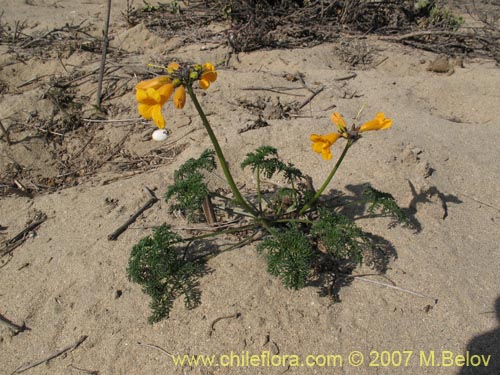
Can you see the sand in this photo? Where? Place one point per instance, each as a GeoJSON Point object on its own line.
{"type": "Point", "coordinates": [439, 160]}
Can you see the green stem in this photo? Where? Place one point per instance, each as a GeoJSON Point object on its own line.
{"type": "Point", "coordinates": [328, 179]}
{"type": "Point", "coordinates": [295, 199]}
{"type": "Point", "coordinates": [304, 221]}
{"type": "Point", "coordinates": [237, 195]}
{"type": "Point", "coordinates": [216, 233]}
{"type": "Point", "coordinates": [259, 195]}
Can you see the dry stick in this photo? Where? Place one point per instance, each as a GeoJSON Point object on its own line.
{"type": "Point", "coordinates": [352, 75]}
{"type": "Point", "coordinates": [279, 90]}
{"type": "Point", "coordinates": [417, 34]}
{"type": "Point", "coordinates": [381, 61]}
{"type": "Point", "coordinates": [155, 347]}
{"type": "Point", "coordinates": [17, 240]}
{"type": "Point", "coordinates": [6, 133]}
{"type": "Point", "coordinates": [105, 42]}
{"type": "Point", "coordinates": [14, 327]}
{"type": "Point", "coordinates": [478, 201]}
{"type": "Point", "coordinates": [114, 236]}
{"type": "Point", "coordinates": [110, 121]}
{"type": "Point", "coordinates": [91, 372]}
{"type": "Point", "coordinates": [308, 100]}
{"type": "Point", "coordinates": [212, 326]}
{"type": "Point", "coordinates": [208, 210]}
{"type": "Point", "coordinates": [393, 287]}
{"type": "Point", "coordinates": [52, 356]}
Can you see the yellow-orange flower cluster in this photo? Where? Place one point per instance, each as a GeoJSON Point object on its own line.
{"type": "Point", "coordinates": [323, 143]}
{"type": "Point", "coordinates": [152, 94]}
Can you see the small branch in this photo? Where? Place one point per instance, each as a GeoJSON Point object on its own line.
{"type": "Point", "coordinates": [16, 329]}
{"type": "Point", "coordinates": [208, 210]}
{"type": "Point", "coordinates": [417, 34]}
{"type": "Point", "coordinates": [155, 347]}
{"type": "Point", "coordinates": [393, 287]}
{"type": "Point", "coordinates": [6, 134]}
{"type": "Point", "coordinates": [17, 240]}
{"type": "Point", "coordinates": [212, 325]}
{"type": "Point", "coordinates": [345, 78]}
{"type": "Point", "coordinates": [105, 42]}
{"type": "Point", "coordinates": [279, 90]}
{"type": "Point", "coordinates": [52, 356]}
{"type": "Point", "coordinates": [111, 121]}
{"type": "Point", "coordinates": [91, 372]}
{"type": "Point", "coordinates": [308, 100]}
{"type": "Point", "coordinates": [114, 236]}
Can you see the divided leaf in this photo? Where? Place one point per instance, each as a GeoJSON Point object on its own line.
{"type": "Point", "coordinates": [158, 265]}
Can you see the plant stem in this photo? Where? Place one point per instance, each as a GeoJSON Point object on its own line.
{"type": "Point", "coordinates": [304, 221]}
{"type": "Point", "coordinates": [237, 195]}
{"type": "Point", "coordinates": [259, 195]}
{"type": "Point", "coordinates": [295, 199]}
{"type": "Point", "coordinates": [328, 179]}
{"type": "Point", "coordinates": [216, 233]}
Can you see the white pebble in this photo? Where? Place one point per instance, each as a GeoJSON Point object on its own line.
{"type": "Point", "coordinates": [160, 135]}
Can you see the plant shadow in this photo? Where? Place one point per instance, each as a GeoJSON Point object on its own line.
{"type": "Point", "coordinates": [482, 348]}
{"type": "Point", "coordinates": [378, 252]}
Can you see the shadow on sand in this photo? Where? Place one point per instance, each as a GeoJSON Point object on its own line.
{"type": "Point", "coordinates": [487, 344]}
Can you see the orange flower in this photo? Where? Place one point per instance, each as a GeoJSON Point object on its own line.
{"type": "Point", "coordinates": [323, 143]}
{"type": "Point", "coordinates": [208, 75]}
{"type": "Point", "coordinates": [172, 67]}
{"type": "Point", "coordinates": [340, 123]}
{"type": "Point", "coordinates": [180, 97]}
{"type": "Point", "coordinates": [150, 102]}
{"type": "Point", "coordinates": [153, 93]}
{"type": "Point", "coordinates": [378, 123]}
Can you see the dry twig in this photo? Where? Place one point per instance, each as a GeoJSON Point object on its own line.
{"type": "Point", "coordinates": [16, 329]}
{"type": "Point", "coordinates": [69, 348]}
{"type": "Point", "coordinates": [212, 325]}
{"type": "Point", "coordinates": [114, 236]}
{"type": "Point", "coordinates": [18, 239]}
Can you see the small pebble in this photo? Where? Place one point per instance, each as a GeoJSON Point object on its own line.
{"type": "Point", "coordinates": [160, 135]}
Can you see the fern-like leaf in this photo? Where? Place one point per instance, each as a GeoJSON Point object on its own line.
{"type": "Point", "coordinates": [189, 187]}
{"type": "Point", "coordinates": [340, 236]}
{"type": "Point", "coordinates": [158, 265]}
{"type": "Point", "coordinates": [385, 203]}
{"type": "Point", "coordinates": [289, 256]}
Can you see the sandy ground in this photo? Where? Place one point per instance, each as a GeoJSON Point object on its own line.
{"type": "Point", "coordinates": [439, 160]}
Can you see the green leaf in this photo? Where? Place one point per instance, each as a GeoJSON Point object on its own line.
{"type": "Point", "coordinates": [189, 187]}
{"type": "Point", "coordinates": [289, 256]}
{"type": "Point", "coordinates": [385, 203]}
{"type": "Point", "coordinates": [341, 237]}
{"type": "Point", "coordinates": [159, 266]}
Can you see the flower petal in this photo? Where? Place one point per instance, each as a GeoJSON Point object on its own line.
{"type": "Point", "coordinates": [141, 96]}
{"type": "Point", "coordinates": [158, 117]}
{"type": "Point", "coordinates": [338, 121]}
{"type": "Point", "coordinates": [154, 83]}
{"type": "Point", "coordinates": [209, 67]}
{"type": "Point", "coordinates": [318, 147]}
{"type": "Point", "coordinates": [165, 92]}
{"type": "Point", "coordinates": [326, 154]}
{"type": "Point", "coordinates": [378, 123]}
{"type": "Point", "coordinates": [331, 138]}
{"type": "Point", "coordinates": [323, 143]}
{"type": "Point", "coordinates": [154, 95]}
{"type": "Point", "coordinates": [145, 111]}
{"type": "Point", "coordinates": [204, 84]}
{"type": "Point", "coordinates": [209, 76]}
{"type": "Point", "coordinates": [315, 138]}
{"type": "Point", "coordinates": [172, 67]}
{"type": "Point", "coordinates": [180, 97]}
